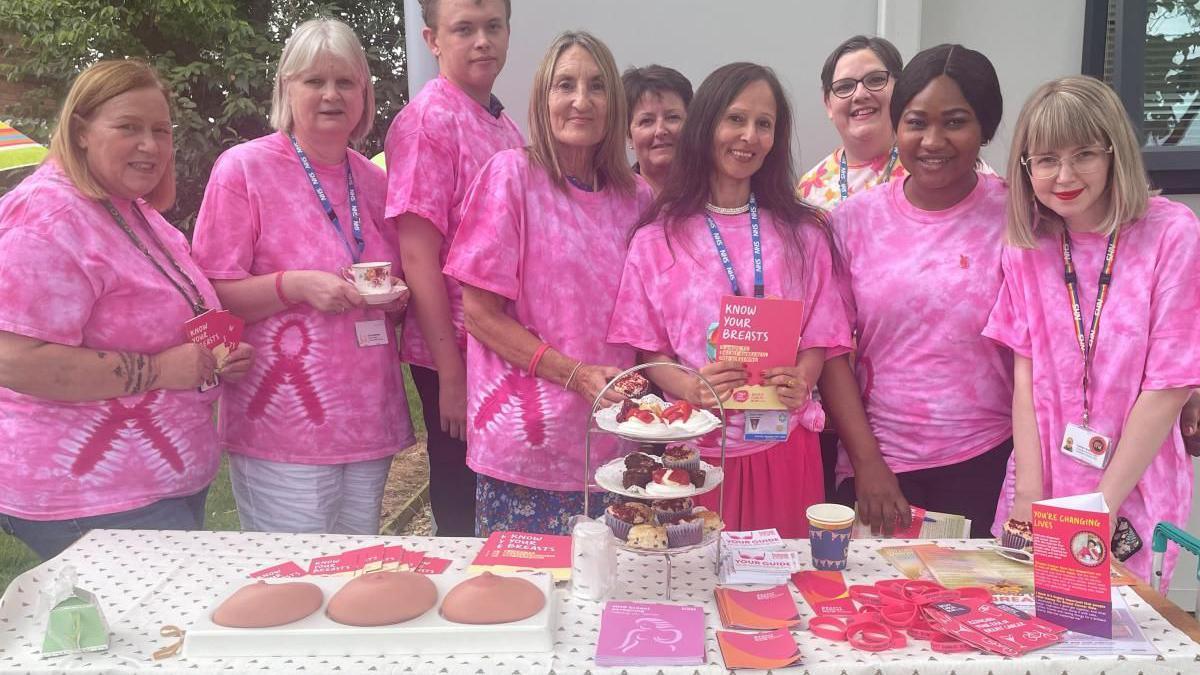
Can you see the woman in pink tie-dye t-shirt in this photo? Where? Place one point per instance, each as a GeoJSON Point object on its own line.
{"type": "Point", "coordinates": [539, 252]}
{"type": "Point", "coordinates": [102, 424]}
{"type": "Point", "coordinates": [312, 430]}
{"type": "Point", "coordinates": [738, 174]}
{"type": "Point", "coordinates": [1076, 160]}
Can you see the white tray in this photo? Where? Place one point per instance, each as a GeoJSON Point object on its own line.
{"type": "Point", "coordinates": [318, 635]}
{"type": "Point", "coordinates": [609, 477]}
{"type": "Point", "coordinates": [606, 419]}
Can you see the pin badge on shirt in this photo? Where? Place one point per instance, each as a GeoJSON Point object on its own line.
{"type": "Point", "coordinates": [1087, 446]}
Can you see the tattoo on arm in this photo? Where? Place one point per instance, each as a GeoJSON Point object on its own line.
{"type": "Point", "coordinates": [139, 372]}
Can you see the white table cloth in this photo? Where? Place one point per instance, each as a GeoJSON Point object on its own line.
{"type": "Point", "coordinates": [147, 579]}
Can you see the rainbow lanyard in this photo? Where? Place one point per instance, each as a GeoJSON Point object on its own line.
{"type": "Point", "coordinates": [1087, 346]}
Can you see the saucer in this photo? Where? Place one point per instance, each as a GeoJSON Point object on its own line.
{"type": "Point", "coordinates": [384, 298]}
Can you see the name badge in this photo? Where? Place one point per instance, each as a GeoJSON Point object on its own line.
{"type": "Point", "coordinates": [371, 333]}
{"type": "Point", "coordinates": [766, 425]}
{"type": "Point", "coordinates": [1087, 446]}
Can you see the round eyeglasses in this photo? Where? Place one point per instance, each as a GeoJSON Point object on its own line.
{"type": "Point", "coordinates": [1045, 167]}
{"type": "Point", "coordinates": [875, 80]}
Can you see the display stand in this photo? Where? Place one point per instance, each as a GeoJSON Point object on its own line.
{"type": "Point", "coordinates": [588, 477]}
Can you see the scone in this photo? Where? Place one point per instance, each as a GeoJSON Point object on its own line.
{"type": "Point", "coordinates": [649, 537]}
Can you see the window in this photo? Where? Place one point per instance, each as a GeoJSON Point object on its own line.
{"type": "Point", "coordinates": [1149, 51]}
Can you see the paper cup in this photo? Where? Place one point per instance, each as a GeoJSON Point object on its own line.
{"type": "Point", "coordinates": [829, 527]}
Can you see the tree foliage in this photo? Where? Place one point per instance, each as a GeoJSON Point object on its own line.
{"type": "Point", "coordinates": [1172, 70]}
{"type": "Point", "coordinates": [218, 56]}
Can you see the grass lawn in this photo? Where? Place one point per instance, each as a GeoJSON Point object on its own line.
{"type": "Point", "coordinates": [221, 511]}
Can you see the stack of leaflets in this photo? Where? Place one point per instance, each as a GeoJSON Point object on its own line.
{"type": "Point", "coordinates": [359, 561]}
{"type": "Point", "coordinates": [924, 525]}
{"type": "Point", "coordinates": [764, 609]}
{"type": "Point", "coordinates": [650, 634]}
{"type": "Point", "coordinates": [757, 558]}
{"type": "Point", "coordinates": [515, 551]}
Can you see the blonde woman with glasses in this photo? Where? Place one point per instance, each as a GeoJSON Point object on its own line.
{"type": "Point", "coordinates": [1100, 308]}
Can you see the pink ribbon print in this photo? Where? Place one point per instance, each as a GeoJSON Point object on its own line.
{"type": "Point", "coordinates": [522, 394]}
{"type": "Point", "coordinates": [287, 367]}
{"type": "Point", "coordinates": [137, 417]}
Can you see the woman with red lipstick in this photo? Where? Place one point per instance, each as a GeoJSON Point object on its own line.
{"type": "Point", "coordinates": [924, 416]}
{"type": "Point", "coordinates": [1112, 351]}
{"type": "Point", "coordinates": [857, 81]}
{"type": "Point", "coordinates": [732, 189]}
{"type": "Point", "coordinates": [657, 98]}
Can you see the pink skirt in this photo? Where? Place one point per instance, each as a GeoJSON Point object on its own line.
{"type": "Point", "coordinates": [772, 487]}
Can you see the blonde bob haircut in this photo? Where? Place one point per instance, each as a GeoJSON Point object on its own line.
{"type": "Point", "coordinates": [311, 40]}
{"type": "Point", "coordinates": [609, 158]}
{"type": "Point", "coordinates": [99, 83]}
{"type": "Point", "coordinates": [1066, 113]}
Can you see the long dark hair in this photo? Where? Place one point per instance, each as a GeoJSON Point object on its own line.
{"type": "Point", "coordinates": [687, 186]}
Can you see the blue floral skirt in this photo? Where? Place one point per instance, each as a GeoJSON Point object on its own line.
{"type": "Point", "coordinates": [500, 505]}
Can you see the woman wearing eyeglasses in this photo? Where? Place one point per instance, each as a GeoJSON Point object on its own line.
{"type": "Point", "coordinates": [857, 81]}
{"type": "Point", "coordinates": [1099, 306]}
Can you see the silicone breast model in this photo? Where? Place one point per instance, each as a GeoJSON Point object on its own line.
{"type": "Point", "coordinates": [382, 599]}
{"type": "Point", "coordinates": [263, 605]}
{"type": "Point", "coordinates": [489, 598]}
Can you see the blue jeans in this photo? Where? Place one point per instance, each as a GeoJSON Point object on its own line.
{"type": "Point", "coordinates": [48, 538]}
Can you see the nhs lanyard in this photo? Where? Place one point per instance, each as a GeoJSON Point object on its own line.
{"type": "Point", "coordinates": [843, 172]}
{"type": "Point", "coordinates": [355, 220]}
{"type": "Point", "coordinates": [756, 246]}
{"type": "Point", "coordinates": [1087, 343]}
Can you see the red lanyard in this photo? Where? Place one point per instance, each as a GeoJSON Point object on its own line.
{"type": "Point", "coordinates": [1087, 346]}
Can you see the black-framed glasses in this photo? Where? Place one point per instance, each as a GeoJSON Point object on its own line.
{"type": "Point", "coordinates": [1045, 167]}
{"type": "Point", "coordinates": [875, 80]}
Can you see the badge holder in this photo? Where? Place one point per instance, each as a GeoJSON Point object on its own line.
{"type": "Point", "coordinates": [589, 479]}
{"type": "Point", "coordinates": [1086, 446]}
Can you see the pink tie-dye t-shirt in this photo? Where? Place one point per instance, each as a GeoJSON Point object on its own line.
{"type": "Point", "coordinates": [72, 276]}
{"type": "Point", "coordinates": [918, 287]}
{"type": "Point", "coordinates": [671, 293]}
{"type": "Point", "coordinates": [1149, 338]}
{"type": "Point", "coordinates": [313, 396]}
{"type": "Point", "coordinates": [557, 257]}
{"type": "Point", "coordinates": [435, 147]}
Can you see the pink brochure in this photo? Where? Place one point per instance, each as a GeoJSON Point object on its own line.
{"type": "Point", "coordinates": [650, 634]}
{"type": "Point", "coordinates": [762, 333]}
{"type": "Point", "coordinates": [1072, 578]}
{"type": "Point", "coordinates": [285, 570]}
{"type": "Point", "coordinates": [825, 592]}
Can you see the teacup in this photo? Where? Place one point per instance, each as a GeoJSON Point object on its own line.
{"type": "Point", "coordinates": [370, 277]}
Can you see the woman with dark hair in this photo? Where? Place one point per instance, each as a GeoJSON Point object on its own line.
{"type": "Point", "coordinates": [928, 420]}
{"type": "Point", "coordinates": [657, 98]}
{"type": "Point", "coordinates": [732, 191]}
{"type": "Point", "coordinates": [856, 82]}
{"type": "Point", "coordinates": [542, 231]}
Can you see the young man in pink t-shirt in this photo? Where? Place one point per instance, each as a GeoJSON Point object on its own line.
{"type": "Point", "coordinates": [435, 148]}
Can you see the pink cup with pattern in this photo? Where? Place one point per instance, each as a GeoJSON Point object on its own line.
{"type": "Point", "coordinates": [829, 527]}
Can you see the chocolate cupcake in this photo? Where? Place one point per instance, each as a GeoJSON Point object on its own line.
{"type": "Point", "coordinates": [621, 517]}
{"type": "Point", "coordinates": [639, 476]}
{"type": "Point", "coordinates": [649, 537]}
{"type": "Point", "coordinates": [685, 531]}
{"type": "Point", "coordinates": [681, 457]}
{"type": "Point", "coordinates": [1017, 534]}
{"type": "Point", "coordinates": [668, 510]}
{"type": "Point", "coordinates": [638, 460]}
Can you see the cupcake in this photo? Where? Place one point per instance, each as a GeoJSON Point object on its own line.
{"type": "Point", "coordinates": [681, 457]}
{"type": "Point", "coordinates": [667, 510]}
{"type": "Point", "coordinates": [621, 517]}
{"type": "Point", "coordinates": [639, 476]}
{"type": "Point", "coordinates": [697, 477]}
{"type": "Point", "coordinates": [1017, 534]}
{"type": "Point", "coordinates": [685, 531]}
{"type": "Point", "coordinates": [639, 460]}
{"type": "Point", "coordinates": [633, 385]}
{"type": "Point", "coordinates": [650, 537]}
{"type": "Point", "coordinates": [710, 521]}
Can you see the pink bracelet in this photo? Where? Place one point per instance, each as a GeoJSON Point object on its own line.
{"type": "Point", "coordinates": [537, 357]}
{"type": "Point", "coordinates": [279, 290]}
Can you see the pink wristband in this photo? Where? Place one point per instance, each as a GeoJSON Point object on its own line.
{"type": "Point", "coordinates": [279, 290]}
{"type": "Point", "coordinates": [537, 358]}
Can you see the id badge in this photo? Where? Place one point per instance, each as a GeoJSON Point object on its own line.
{"type": "Point", "coordinates": [371, 333]}
{"type": "Point", "coordinates": [766, 425]}
{"type": "Point", "coordinates": [1087, 446]}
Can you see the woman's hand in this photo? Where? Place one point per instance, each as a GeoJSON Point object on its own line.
{"type": "Point", "coordinates": [791, 384]}
{"type": "Point", "coordinates": [881, 504]}
{"type": "Point", "coordinates": [237, 364]}
{"type": "Point", "coordinates": [724, 376]}
{"type": "Point", "coordinates": [182, 367]}
{"type": "Point", "coordinates": [1022, 509]}
{"type": "Point", "coordinates": [398, 305]}
{"type": "Point", "coordinates": [590, 379]}
{"type": "Point", "coordinates": [452, 404]}
{"type": "Point", "coordinates": [322, 291]}
{"type": "Point", "coordinates": [1189, 424]}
